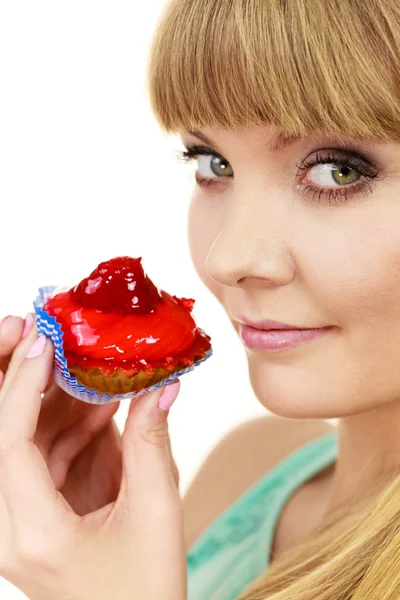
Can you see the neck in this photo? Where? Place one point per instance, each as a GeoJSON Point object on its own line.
{"type": "Point", "coordinates": [369, 455]}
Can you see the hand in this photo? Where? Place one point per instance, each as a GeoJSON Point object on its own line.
{"type": "Point", "coordinates": [80, 442]}
{"type": "Point", "coordinates": [131, 548]}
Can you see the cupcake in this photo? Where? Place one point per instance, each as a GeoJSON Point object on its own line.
{"type": "Point", "coordinates": [118, 334]}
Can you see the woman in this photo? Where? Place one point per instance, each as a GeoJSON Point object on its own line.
{"type": "Point", "coordinates": [292, 111]}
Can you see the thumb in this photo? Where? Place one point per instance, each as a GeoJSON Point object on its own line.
{"type": "Point", "coordinates": [145, 442]}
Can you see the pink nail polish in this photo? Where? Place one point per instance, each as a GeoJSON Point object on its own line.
{"type": "Point", "coordinates": [37, 347]}
{"type": "Point", "coordinates": [169, 396]}
{"type": "Point", "coordinates": [29, 321]}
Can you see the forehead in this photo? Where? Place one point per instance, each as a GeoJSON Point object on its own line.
{"type": "Point", "coordinates": [279, 140]}
{"type": "Point", "coordinates": [273, 139]}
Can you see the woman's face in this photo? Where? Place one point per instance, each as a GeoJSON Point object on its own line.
{"type": "Point", "coordinates": [276, 242]}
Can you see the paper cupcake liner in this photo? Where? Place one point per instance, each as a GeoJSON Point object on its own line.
{"type": "Point", "coordinates": [48, 326]}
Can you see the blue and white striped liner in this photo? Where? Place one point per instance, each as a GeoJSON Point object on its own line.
{"type": "Point", "coordinates": [48, 326]}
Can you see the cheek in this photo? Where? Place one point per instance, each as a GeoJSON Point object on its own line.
{"type": "Point", "coordinates": [360, 284]}
{"type": "Point", "coordinates": [203, 227]}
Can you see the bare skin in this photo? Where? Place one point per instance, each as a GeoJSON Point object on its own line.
{"type": "Point", "coordinates": [82, 448]}
{"type": "Point", "coordinates": [80, 442]}
{"type": "Point", "coordinates": [268, 252]}
{"type": "Point", "coordinates": [242, 457]}
{"type": "Point", "coordinates": [302, 513]}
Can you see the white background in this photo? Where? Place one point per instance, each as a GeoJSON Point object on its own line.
{"type": "Point", "coordinates": [86, 174]}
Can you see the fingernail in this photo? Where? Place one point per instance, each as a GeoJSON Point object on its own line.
{"type": "Point", "coordinates": [169, 396]}
{"type": "Point", "coordinates": [37, 347]}
{"type": "Point", "coordinates": [29, 320]}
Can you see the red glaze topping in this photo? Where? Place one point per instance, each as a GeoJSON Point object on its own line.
{"type": "Point", "coordinates": [118, 286]}
{"type": "Point", "coordinates": [117, 318]}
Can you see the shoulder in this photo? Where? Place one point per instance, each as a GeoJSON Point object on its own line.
{"type": "Point", "coordinates": [241, 457]}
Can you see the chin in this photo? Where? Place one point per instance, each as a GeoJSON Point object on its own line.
{"type": "Point", "coordinates": [299, 391]}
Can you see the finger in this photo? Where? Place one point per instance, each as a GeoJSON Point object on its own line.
{"type": "Point", "coordinates": [174, 468]}
{"type": "Point", "coordinates": [58, 412]}
{"type": "Point", "coordinates": [74, 440]}
{"type": "Point", "coordinates": [25, 483]}
{"type": "Point", "coordinates": [20, 351]}
{"type": "Point", "coordinates": [147, 471]}
{"type": "Point", "coordinates": [117, 434]}
{"type": "Point", "coordinates": [20, 400]}
{"type": "Point", "coordinates": [11, 329]}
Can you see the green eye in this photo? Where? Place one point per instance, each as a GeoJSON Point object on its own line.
{"type": "Point", "coordinates": [345, 175]}
{"type": "Point", "coordinates": [212, 169]}
{"type": "Point", "coordinates": [329, 174]}
{"type": "Point", "coordinates": [218, 166]}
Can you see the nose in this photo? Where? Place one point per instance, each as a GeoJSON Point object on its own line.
{"type": "Point", "coordinates": [251, 248]}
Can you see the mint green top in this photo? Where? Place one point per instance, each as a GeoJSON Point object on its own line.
{"type": "Point", "coordinates": [235, 548]}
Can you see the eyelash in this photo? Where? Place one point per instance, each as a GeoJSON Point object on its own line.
{"type": "Point", "coordinates": [339, 194]}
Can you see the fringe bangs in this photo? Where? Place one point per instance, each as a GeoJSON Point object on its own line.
{"type": "Point", "coordinates": [328, 65]}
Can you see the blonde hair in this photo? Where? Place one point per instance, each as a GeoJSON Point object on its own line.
{"type": "Point", "coordinates": [331, 66]}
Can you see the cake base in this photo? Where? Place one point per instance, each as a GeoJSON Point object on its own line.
{"type": "Point", "coordinates": [119, 382]}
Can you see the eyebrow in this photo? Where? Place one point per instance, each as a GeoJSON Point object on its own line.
{"type": "Point", "coordinates": [279, 141]}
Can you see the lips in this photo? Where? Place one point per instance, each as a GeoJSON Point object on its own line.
{"type": "Point", "coordinates": [273, 335]}
{"type": "Point", "coordinates": [271, 325]}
